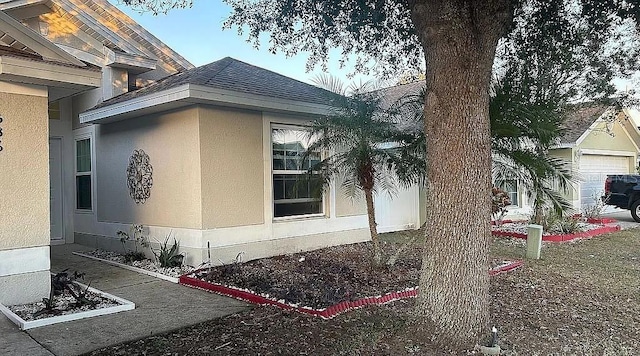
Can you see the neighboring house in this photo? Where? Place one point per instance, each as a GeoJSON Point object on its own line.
{"type": "Point", "coordinates": [598, 141]}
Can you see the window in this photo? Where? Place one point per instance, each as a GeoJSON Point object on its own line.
{"type": "Point", "coordinates": [295, 192]}
{"type": "Point", "coordinates": [511, 187]}
{"type": "Point", "coordinates": [83, 174]}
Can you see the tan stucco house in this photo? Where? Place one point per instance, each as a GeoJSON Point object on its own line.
{"type": "Point", "coordinates": [104, 126]}
{"type": "Point", "coordinates": [599, 140]}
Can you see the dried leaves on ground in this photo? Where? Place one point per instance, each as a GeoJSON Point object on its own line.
{"type": "Point", "coordinates": [582, 298]}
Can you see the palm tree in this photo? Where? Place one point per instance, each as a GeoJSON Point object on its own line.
{"type": "Point", "coordinates": [369, 149]}
{"type": "Point", "coordinates": [522, 132]}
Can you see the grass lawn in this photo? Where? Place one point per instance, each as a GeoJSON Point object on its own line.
{"type": "Point", "coordinates": [581, 298]}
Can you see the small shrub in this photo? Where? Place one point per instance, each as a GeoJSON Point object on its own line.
{"type": "Point", "coordinates": [499, 201]}
{"type": "Point", "coordinates": [135, 235]}
{"type": "Point", "coordinates": [168, 256]}
{"type": "Point", "coordinates": [555, 223]}
{"type": "Point", "coordinates": [595, 211]}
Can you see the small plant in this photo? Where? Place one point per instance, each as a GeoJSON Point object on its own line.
{"type": "Point", "coordinates": [499, 201]}
{"type": "Point", "coordinates": [135, 235]}
{"type": "Point", "coordinates": [595, 211]}
{"type": "Point", "coordinates": [168, 256]}
{"type": "Point", "coordinates": [556, 223]}
{"type": "Point", "coordinates": [59, 283]}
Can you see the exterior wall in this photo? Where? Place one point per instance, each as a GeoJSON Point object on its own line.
{"type": "Point", "coordinates": [232, 167]}
{"type": "Point", "coordinates": [598, 139]}
{"type": "Point", "coordinates": [348, 206]}
{"type": "Point", "coordinates": [568, 155]}
{"type": "Point", "coordinates": [216, 194]}
{"type": "Point", "coordinates": [24, 188]}
{"type": "Point", "coordinates": [84, 102]}
{"type": "Point", "coordinates": [172, 143]}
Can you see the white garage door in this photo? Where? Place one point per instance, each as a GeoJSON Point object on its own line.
{"type": "Point", "coordinates": [594, 170]}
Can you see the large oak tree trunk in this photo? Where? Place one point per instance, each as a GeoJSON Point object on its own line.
{"type": "Point", "coordinates": [459, 38]}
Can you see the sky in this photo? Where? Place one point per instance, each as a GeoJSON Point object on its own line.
{"type": "Point", "coordinates": [196, 34]}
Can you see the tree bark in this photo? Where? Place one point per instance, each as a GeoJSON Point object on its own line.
{"type": "Point", "coordinates": [373, 227]}
{"type": "Point", "coordinates": [459, 38]}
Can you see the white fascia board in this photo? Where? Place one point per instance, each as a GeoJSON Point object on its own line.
{"type": "Point", "coordinates": [125, 60]}
{"type": "Point", "coordinates": [85, 56]}
{"type": "Point", "coordinates": [144, 102]}
{"type": "Point", "coordinates": [37, 43]}
{"type": "Point", "coordinates": [563, 145]}
{"type": "Point", "coordinates": [49, 74]}
{"type": "Point", "coordinates": [197, 94]}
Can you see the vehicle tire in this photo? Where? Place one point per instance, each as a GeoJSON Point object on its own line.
{"type": "Point", "coordinates": [635, 210]}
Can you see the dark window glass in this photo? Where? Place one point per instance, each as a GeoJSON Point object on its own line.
{"type": "Point", "coordinates": [83, 192]}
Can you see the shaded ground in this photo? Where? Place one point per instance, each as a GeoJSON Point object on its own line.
{"type": "Point", "coordinates": [582, 298]}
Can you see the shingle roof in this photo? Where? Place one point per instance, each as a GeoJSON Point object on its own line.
{"type": "Point", "coordinates": [578, 120]}
{"type": "Point", "coordinates": [234, 75]}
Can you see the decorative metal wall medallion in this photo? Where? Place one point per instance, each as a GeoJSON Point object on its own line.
{"type": "Point", "coordinates": [139, 176]}
{"type": "Point", "coordinates": [1, 119]}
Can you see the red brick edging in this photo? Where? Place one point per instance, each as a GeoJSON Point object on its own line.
{"type": "Point", "coordinates": [324, 313]}
{"type": "Point", "coordinates": [562, 237]}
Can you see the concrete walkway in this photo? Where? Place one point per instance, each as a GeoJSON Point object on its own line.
{"type": "Point", "coordinates": [160, 307]}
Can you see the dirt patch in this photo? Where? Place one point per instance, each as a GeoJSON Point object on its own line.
{"type": "Point", "coordinates": [322, 278]}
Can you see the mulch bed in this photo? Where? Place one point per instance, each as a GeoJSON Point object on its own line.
{"type": "Point", "coordinates": [320, 279]}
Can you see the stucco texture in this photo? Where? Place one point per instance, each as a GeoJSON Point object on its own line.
{"type": "Point", "coordinates": [232, 167]}
{"type": "Point", "coordinates": [567, 155]}
{"type": "Point", "coordinates": [600, 139]}
{"type": "Point", "coordinates": [171, 141]}
{"type": "Point", "coordinates": [24, 182]}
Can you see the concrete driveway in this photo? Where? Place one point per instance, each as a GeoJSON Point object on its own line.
{"type": "Point", "coordinates": [624, 219]}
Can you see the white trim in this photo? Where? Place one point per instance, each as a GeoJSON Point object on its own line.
{"type": "Point", "coordinates": [24, 260]}
{"type": "Point", "coordinates": [587, 151]}
{"type": "Point", "coordinates": [130, 268]}
{"type": "Point", "coordinates": [50, 74]}
{"type": "Point", "coordinates": [129, 61]}
{"type": "Point", "coordinates": [188, 94]}
{"type": "Point", "coordinates": [124, 305]}
{"type": "Point", "coordinates": [80, 134]}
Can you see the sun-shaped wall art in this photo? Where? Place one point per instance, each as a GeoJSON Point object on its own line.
{"type": "Point", "coordinates": [139, 176]}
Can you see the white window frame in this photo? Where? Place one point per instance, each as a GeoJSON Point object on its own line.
{"type": "Point", "coordinates": [516, 203]}
{"type": "Point", "coordinates": [85, 133]}
{"type": "Point", "coordinates": [322, 213]}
